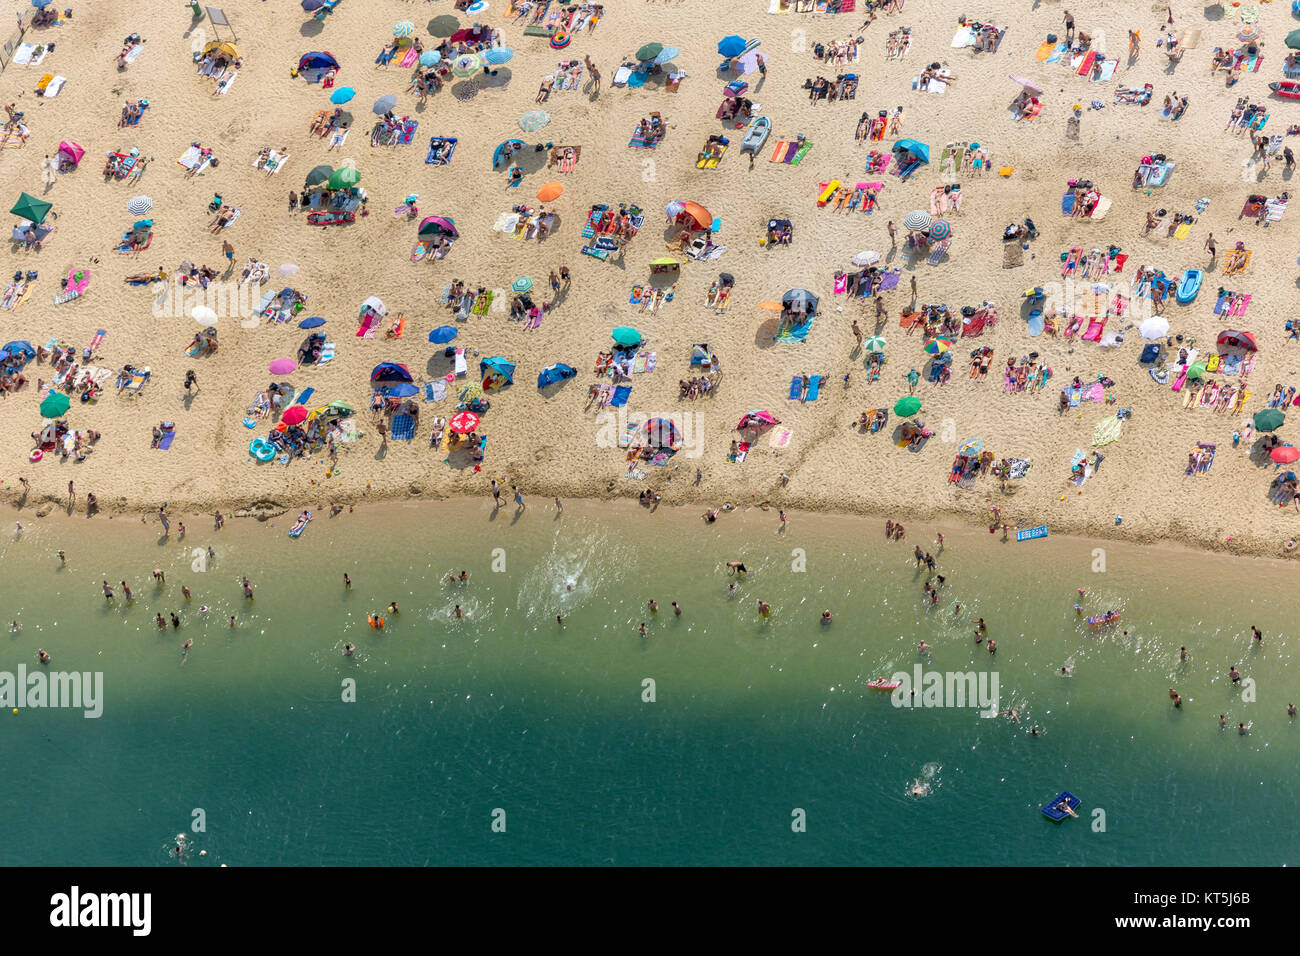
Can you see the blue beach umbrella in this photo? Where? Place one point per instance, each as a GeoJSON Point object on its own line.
{"type": "Point", "coordinates": [666, 54]}
{"type": "Point", "coordinates": [314, 322]}
{"type": "Point", "coordinates": [443, 334]}
{"type": "Point", "coordinates": [522, 284]}
{"type": "Point", "coordinates": [41, 4]}
{"type": "Point", "coordinates": [731, 46]}
{"type": "Point", "coordinates": [498, 55]}
{"type": "Point", "coordinates": [430, 58]}
{"type": "Point", "coordinates": [342, 95]}
{"type": "Point", "coordinates": [310, 5]}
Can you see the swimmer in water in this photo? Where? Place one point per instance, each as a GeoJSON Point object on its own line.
{"type": "Point", "coordinates": [1290, 710]}
{"type": "Point", "coordinates": [642, 629]}
{"type": "Point", "coordinates": [232, 622]}
{"type": "Point", "coordinates": [162, 624]}
{"type": "Point", "coordinates": [458, 612]}
{"type": "Point", "coordinates": [652, 604]}
{"type": "Point", "coordinates": [981, 626]}
{"type": "Point", "coordinates": [1234, 675]}
{"type": "Point", "coordinates": [559, 619]}
{"type": "Point", "coordinates": [736, 567]}
{"type": "Point", "coordinates": [185, 591]}
{"type": "Point", "coordinates": [568, 586]}
{"type": "Point", "coordinates": [108, 592]}
{"type": "Point", "coordinates": [392, 608]}
{"type": "Point", "coordinates": [993, 646]}
{"type": "Point", "coordinates": [1223, 721]}
{"type": "Point", "coordinates": [1243, 729]}
{"type": "Point", "coordinates": [1078, 609]}
{"type": "Point", "coordinates": [126, 589]}
{"type": "Point", "coordinates": [923, 647]}
{"type": "Point", "coordinates": [1067, 670]}
{"type": "Point", "coordinates": [826, 617]}
{"type": "Point", "coordinates": [676, 609]}
{"type": "Point", "coordinates": [348, 649]}
{"type": "Point", "coordinates": [15, 627]}
{"type": "Point", "coordinates": [979, 638]}
{"type": "Point", "coordinates": [42, 655]}
{"type": "Point", "coordinates": [1258, 636]}
{"type": "Point", "coordinates": [764, 608]}
{"type": "Point", "coordinates": [63, 558]}
{"type": "Point", "coordinates": [732, 587]}
{"type": "Point", "coordinates": [1034, 731]}
{"type": "Point", "coordinates": [185, 648]}
{"type": "Point", "coordinates": [1012, 713]}
{"type": "Point", "coordinates": [176, 621]}
{"type": "Point", "coordinates": [203, 609]}
{"type": "Point", "coordinates": [347, 581]}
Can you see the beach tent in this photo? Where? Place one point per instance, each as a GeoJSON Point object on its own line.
{"type": "Point", "coordinates": [498, 155]}
{"type": "Point", "coordinates": [29, 207]}
{"type": "Point", "coordinates": [72, 151]}
{"type": "Point", "coordinates": [661, 433]}
{"type": "Point", "coordinates": [497, 372]}
{"type": "Point", "coordinates": [800, 298]}
{"type": "Point", "coordinates": [319, 175]}
{"type": "Point", "coordinates": [344, 177]}
{"type": "Point", "coordinates": [374, 304]}
{"type": "Point", "coordinates": [627, 336]}
{"type": "Point", "coordinates": [390, 372]}
{"type": "Point", "coordinates": [21, 347]}
{"type": "Point", "coordinates": [318, 61]}
{"type": "Point", "coordinates": [443, 334]}
{"type": "Point", "coordinates": [918, 151]}
{"type": "Point", "coordinates": [758, 418]}
{"type": "Point", "coordinates": [436, 225]}
{"type": "Point", "coordinates": [221, 46]}
{"type": "Point", "coordinates": [555, 373]}
{"type": "Point", "coordinates": [1232, 339]}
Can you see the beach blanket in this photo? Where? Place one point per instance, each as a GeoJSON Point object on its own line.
{"type": "Point", "coordinates": [795, 333]}
{"type": "Point", "coordinates": [408, 60]}
{"type": "Point", "coordinates": [435, 145]}
{"type": "Point", "coordinates": [780, 437]}
{"type": "Point", "coordinates": [620, 396]}
{"type": "Point", "coordinates": [889, 281]}
{"type": "Point", "coordinates": [226, 82]}
{"type": "Point", "coordinates": [194, 159]}
{"type": "Point", "coordinates": [26, 54]}
{"type": "Point", "coordinates": [133, 54]}
{"type": "Point", "coordinates": [368, 325]}
{"type": "Point", "coordinates": [168, 436]}
{"type": "Point", "coordinates": [1107, 430]}
{"type": "Point", "coordinates": [814, 388]}
{"type": "Point", "coordinates": [640, 142]}
{"type": "Point", "coordinates": [964, 37]}
{"type": "Point", "coordinates": [403, 427]}
{"type": "Point", "coordinates": [274, 162]}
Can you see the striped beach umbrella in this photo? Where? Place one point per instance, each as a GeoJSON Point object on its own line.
{"type": "Point", "coordinates": [403, 28]}
{"type": "Point", "coordinates": [875, 344]}
{"type": "Point", "coordinates": [918, 220]}
{"type": "Point", "coordinates": [940, 229]}
{"type": "Point", "coordinates": [938, 345]}
{"type": "Point", "coordinates": [139, 205]}
{"type": "Point", "coordinates": [467, 64]}
{"type": "Point", "coordinates": [534, 120]}
{"type": "Point", "coordinates": [498, 55]}
{"type": "Point", "coordinates": [1249, 33]}
{"type": "Point", "coordinates": [521, 285]}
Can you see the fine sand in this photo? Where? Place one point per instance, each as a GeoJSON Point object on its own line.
{"type": "Point", "coordinates": [545, 441]}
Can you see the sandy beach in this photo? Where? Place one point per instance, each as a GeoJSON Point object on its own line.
{"type": "Point", "coordinates": [547, 441]}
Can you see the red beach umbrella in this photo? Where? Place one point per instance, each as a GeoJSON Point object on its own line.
{"type": "Point", "coordinates": [1285, 454]}
{"type": "Point", "coordinates": [295, 415]}
{"type": "Point", "coordinates": [462, 423]}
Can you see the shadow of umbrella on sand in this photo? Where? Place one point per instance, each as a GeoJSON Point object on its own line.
{"type": "Point", "coordinates": [444, 26]}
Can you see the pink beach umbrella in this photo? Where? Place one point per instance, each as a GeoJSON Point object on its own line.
{"type": "Point", "coordinates": [283, 366]}
{"type": "Point", "coordinates": [295, 415]}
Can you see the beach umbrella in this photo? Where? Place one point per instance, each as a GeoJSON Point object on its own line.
{"type": "Point", "coordinates": [283, 366]}
{"type": "Point", "coordinates": [521, 285]}
{"type": "Point", "coordinates": [701, 216]}
{"type": "Point", "coordinates": [315, 322]}
{"type": "Point", "coordinates": [343, 177]}
{"type": "Point", "coordinates": [661, 432]}
{"type": "Point", "coordinates": [384, 104]}
{"type": "Point", "coordinates": [550, 192]}
{"type": "Point", "coordinates": [1027, 83]}
{"type": "Point", "coordinates": [867, 257]}
{"type": "Point", "coordinates": [972, 447]}
{"type": "Point", "coordinates": [908, 405]}
{"type": "Point", "coordinates": [498, 55]}
{"type": "Point", "coordinates": [310, 5]}
{"type": "Point", "coordinates": [201, 313]}
{"type": "Point", "coordinates": [1156, 327]}
{"type": "Point", "coordinates": [1197, 370]}
{"type": "Point", "coordinates": [938, 345]}
{"type": "Point", "coordinates": [55, 404]}
{"type": "Point", "coordinates": [286, 270]}
{"type": "Point", "coordinates": [403, 28]}
{"type": "Point", "coordinates": [940, 229]}
{"type": "Point", "coordinates": [139, 205]}
{"type": "Point", "coordinates": [674, 208]}
{"type": "Point", "coordinates": [666, 54]}
{"type": "Point", "coordinates": [771, 306]}
{"type": "Point", "coordinates": [31, 208]}
{"type": "Point", "coordinates": [430, 58]}
{"type": "Point", "coordinates": [469, 391]}
{"type": "Point", "coordinates": [1293, 39]}
{"type": "Point", "coordinates": [534, 120]}
{"type": "Point", "coordinates": [295, 415]}
{"type": "Point", "coordinates": [649, 52]}
{"type": "Point", "coordinates": [1249, 33]}
{"type": "Point", "coordinates": [443, 334]}
{"type": "Point", "coordinates": [731, 46]}
{"type": "Point", "coordinates": [1269, 419]}
{"type": "Point", "coordinates": [467, 64]}
{"type": "Point", "coordinates": [319, 174]}
{"type": "Point", "coordinates": [918, 220]}
{"type": "Point", "coordinates": [1285, 455]}
{"type": "Point", "coordinates": [342, 95]}
{"type": "Point", "coordinates": [626, 335]}
{"type": "Point", "coordinates": [462, 423]}
{"type": "Point", "coordinates": [875, 344]}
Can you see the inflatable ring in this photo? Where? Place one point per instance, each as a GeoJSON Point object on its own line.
{"type": "Point", "coordinates": [560, 39]}
{"type": "Point", "coordinates": [36, 455]}
{"type": "Point", "coordinates": [261, 449]}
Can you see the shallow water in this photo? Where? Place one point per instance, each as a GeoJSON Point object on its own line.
{"type": "Point", "coordinates": [752, 719]}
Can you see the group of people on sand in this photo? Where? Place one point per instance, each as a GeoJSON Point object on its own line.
{"type": "Point", "coordinates": [843, 87]}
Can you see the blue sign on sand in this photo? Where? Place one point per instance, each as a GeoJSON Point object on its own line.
{"type": "Point", "coordinates": [1028, 534]}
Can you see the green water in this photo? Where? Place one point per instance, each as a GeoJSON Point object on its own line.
{"type": "Point", "coordinates": [505, 709]}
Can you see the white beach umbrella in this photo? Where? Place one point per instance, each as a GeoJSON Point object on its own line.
{"type": "Point", "coordinates": [867, 257]}
{"type": "Point", "coordinates": [203, 315]}
{"type": "Point", "coordinates": [1156, 327]}
{"type": "Point", "coordinates": [286, 270]}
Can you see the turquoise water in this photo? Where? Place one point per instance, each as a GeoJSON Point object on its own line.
{"type": "Point", "coordinates": [752, 718]}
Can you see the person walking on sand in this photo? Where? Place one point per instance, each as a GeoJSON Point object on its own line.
{"type": "Point", "coordinates": [893, 234]}
{"type": "Point", "coordinates": [496, 492]}
{"type": "Point", "coordinates": [519, 498]}
{"type": "Point", "coordinates": [229, 252]}
{"type": "Point", "coordinates": [1069, 26]}
{"type": "Point", "coordinates": [1209, 247]}
{"type": "Point", "coordinates": [914, 288]}
{"type": "Point", "coordinates": [72, 495]}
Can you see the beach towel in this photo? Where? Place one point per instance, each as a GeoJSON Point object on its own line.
{"type": "Point", "coordinates": [1095, 392]}
{"type": "Point", "coordinates": [26, 54]}
{"type": "Point", "coordinates": [1183, 229]}
{"type": "Point", "coordinates": [964, 37]}
{"type": "Point", "coordinates": [814, 388]}
{"type": "Point", "coordinates": [1085, 63]}
{"type": "Point", "coordinates": [1107, 430]}
{"type": "Point", "coordinates": [133, 54]}
{"type": "Point", "coordinates": [620, 396]}
{"type": "Point", "coordinates": [795, 333]}
{"type": "Point", "coordinates": [1012, 255]}
{"type": "Point", "coordinates": [1057, 52]}
{"type": "Point", "coordinates": [226, 82]}
{"type": "Point", "coordinates": [409, 59]}
{"type": "Point", "coordinates": [168, 436]}
{"type": "Point", "coordinates": [639, 142]}
{"type": "Point", "coordinates": [780, 437]}
{"type": "Point", "coordinates": [367, 327]}
{"type": "Point", "coordinates": [1095, 327]}
{"type": "Point", "coordinates": [435, 391]}
{"type": "Point", "coordinates": [1107, 72]}
{"type": "Point", "coordinates": [326, 354]}
{"type": "Point", "coordinates": [435, 144]}
{"type": "Point", "coordinates": [403, 427]}
{"type": "Point", "coordinates": [97, 340]}
{"type": "Point", "coordinates": [796, 388]}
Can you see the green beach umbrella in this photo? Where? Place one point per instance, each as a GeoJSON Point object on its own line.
{"type": "Point", "coordinates": [1293, 39]}
{"type": "Point", "coordinates": [55, 404]}
{"type": "Point", "coordinates": [1196, 370]}
{"type": "Point", "coordinates": [908, 405]}
{"type": "Point", "coordinates": [876, 343]}
{"type": "Point", "coordinates": [29, 207]}
{"type": "Point", "coordinates": [626, 335]}
{"type": "Point", "coordinates": [344, 177]}
{"type": "Point", "coordinates": [319, 174]}
{"type": "Point", "coordinates": [1266, 420]}
{"type": "Point", "coordinates": [649, 51]}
